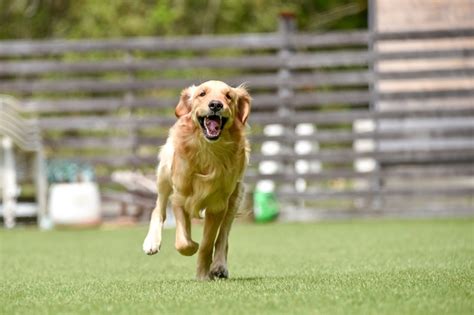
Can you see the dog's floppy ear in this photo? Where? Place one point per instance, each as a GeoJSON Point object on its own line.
{"type": "Point", "coordinates": [184, 105]}
{"type": "Point", "coordinates": [243, 103]}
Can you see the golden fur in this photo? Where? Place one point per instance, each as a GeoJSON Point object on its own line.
{"type": "Point", "coordinates": [198, 171]}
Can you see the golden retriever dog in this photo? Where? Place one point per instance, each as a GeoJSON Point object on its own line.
{"type": "Point", "coordinates": [201, 168]}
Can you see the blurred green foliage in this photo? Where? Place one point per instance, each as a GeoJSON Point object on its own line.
{"type": "Point", "coordinates": [121, 18]}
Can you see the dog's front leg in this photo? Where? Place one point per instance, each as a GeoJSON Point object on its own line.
{"type": "Point", "coordinates": [219, 263]}
{"type": "Point", "coordinates": [152, 242]}
{"type": "Point", "coordinates": [212, 221]}
{"type": "Point", "coordinates": [184, 244]}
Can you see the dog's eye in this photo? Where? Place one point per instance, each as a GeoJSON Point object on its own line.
{"type": "Point", "coordinates": [228, 96]}
{"type": "Point", "coordinates": [202, 94]}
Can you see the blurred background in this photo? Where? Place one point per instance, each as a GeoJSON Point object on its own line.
{"type": "Point", "coordinates": [361, 109]}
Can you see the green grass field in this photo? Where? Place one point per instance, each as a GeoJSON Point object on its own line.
{"type": "Point", "coordinates": [361, 267]}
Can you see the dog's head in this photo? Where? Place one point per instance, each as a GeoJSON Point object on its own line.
{"type": "Point", "coordinates": [214, 107]}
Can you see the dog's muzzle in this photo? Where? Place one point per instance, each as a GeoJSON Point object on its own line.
{"type": "Point", "coordinates": [212, 125]}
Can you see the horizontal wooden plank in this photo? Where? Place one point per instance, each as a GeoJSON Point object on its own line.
{"type": "Point", "coordinates": [443, 73]}
{"type": "Point", "coordinates": [88, 142]}
{"type": "Point", "coordinates": [416, 155]}
{"type": "Point", "coordinates": [28, 67]}
{"type": "Point", "coordinates": [339, 78]}
{"type": "Point", "coordinates": [327, 59]}
{"type": "Point", "coordinates": [196, 43]}
{"type": "Point", "coordinates": [102, 122]}
{"type": "Point", "coordinates": [96, 104]}
{"type": "Point", "coordinates": [321, 195]}
{"type": "Point", "coordinates": [429, 171]}
{"type": "Point", "coordinates": [441, 172]}
{"type": "Point", "coordinates": [431, 144]}
{"type": "Point", "coordinates": [395, 210]}
{"type": "Point", "coordinates": [272, 80]}
{"type": "Point", "coordinates": [341, 136]}
{"type": "Point", "coordinates": [426, 94]}
{"type": "Point", "coordinates": [90, 85]}
{"type": "Point", "coordinates": [244, 62]}
{"type": "Point", "coordinates": [302, 99]}
{"type": "Point", "coordinates": [331, 39]}
{"type": "Point", "coordinates": [425, 34]}
{"type": "Point", "coordinates": [335, 117]}
{"type": "Point", "coordinates": [252, 177]}
{"type": "Point", "coordinates": [424, 54]}
{"type": "Point", "coordinates": [346, 97]}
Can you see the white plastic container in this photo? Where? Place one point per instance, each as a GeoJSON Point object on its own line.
{"type": "Point", "coordinates": [74, 203]}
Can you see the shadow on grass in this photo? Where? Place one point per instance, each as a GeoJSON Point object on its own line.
{"type": "Point", "coordinates": [249, 279]}
{"type": "Point", "coordinates": [262, 278]}
{"type": "Point", "coordinates": [233, 280]}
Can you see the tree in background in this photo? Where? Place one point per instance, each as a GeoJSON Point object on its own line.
{"type": "Point", "coordinates": [121, 18]}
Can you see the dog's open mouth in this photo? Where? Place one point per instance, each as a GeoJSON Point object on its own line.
{"type": "Point", "coordinates": [212, 126]}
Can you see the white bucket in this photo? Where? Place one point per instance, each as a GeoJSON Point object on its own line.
{"type": "Point", "coordinates": [74, 203]}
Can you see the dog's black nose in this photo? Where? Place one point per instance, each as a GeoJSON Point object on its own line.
{"type": "Point", "coordinates": [215, 106]}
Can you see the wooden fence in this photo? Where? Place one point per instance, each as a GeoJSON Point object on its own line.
{"type": "Point", "coordinates": [317, 116]}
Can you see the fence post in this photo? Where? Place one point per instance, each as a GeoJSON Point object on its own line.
{"type": "Point", "coordinates": [375, 197]}
{"type": "Point", "coordinates": [41, 184]}
{"type": "Point", "coordinates": [286, 29]}
{"type": "Point", "coordinates": [129, 100]}
{"type": "Point", "coordinates": [281, 132]}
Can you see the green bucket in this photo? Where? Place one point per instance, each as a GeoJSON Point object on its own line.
{"type": "Point", "coordinates": [265, 206]}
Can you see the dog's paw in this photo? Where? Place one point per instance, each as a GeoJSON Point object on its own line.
{"type": "Point", "coordinates": [151, 246]}
{"type": "Point", "coordinates": [205, 276]}
{"type": "Point", "coordinates": [187, 248]}
{"type": "Point", "coordinates": [219, 272]}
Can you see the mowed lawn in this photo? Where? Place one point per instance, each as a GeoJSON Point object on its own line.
{"type": "Point", "coordinates": [360, 267]}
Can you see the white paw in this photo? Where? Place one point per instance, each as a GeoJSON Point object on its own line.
{"type": "Point", "coordinates": [151, 246]}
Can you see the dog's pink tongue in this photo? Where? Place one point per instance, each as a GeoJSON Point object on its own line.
{"type": "Point", "coordinates": [213, 126]}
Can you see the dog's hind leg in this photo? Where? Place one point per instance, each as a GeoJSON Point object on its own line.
{"type": "Point", "coordinates": [184, 244]}
{"type": "Point", "coordinates": [219, 263]}
{"type": "Point", "coordinates": [152, 242]}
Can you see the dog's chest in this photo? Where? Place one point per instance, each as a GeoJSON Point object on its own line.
{"type": "Point", "coordinates": [206, 179]}
{"type": "Point", "coordinates": [208, 183]}
{"type": "Point", "coordinates": [212, 187]}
